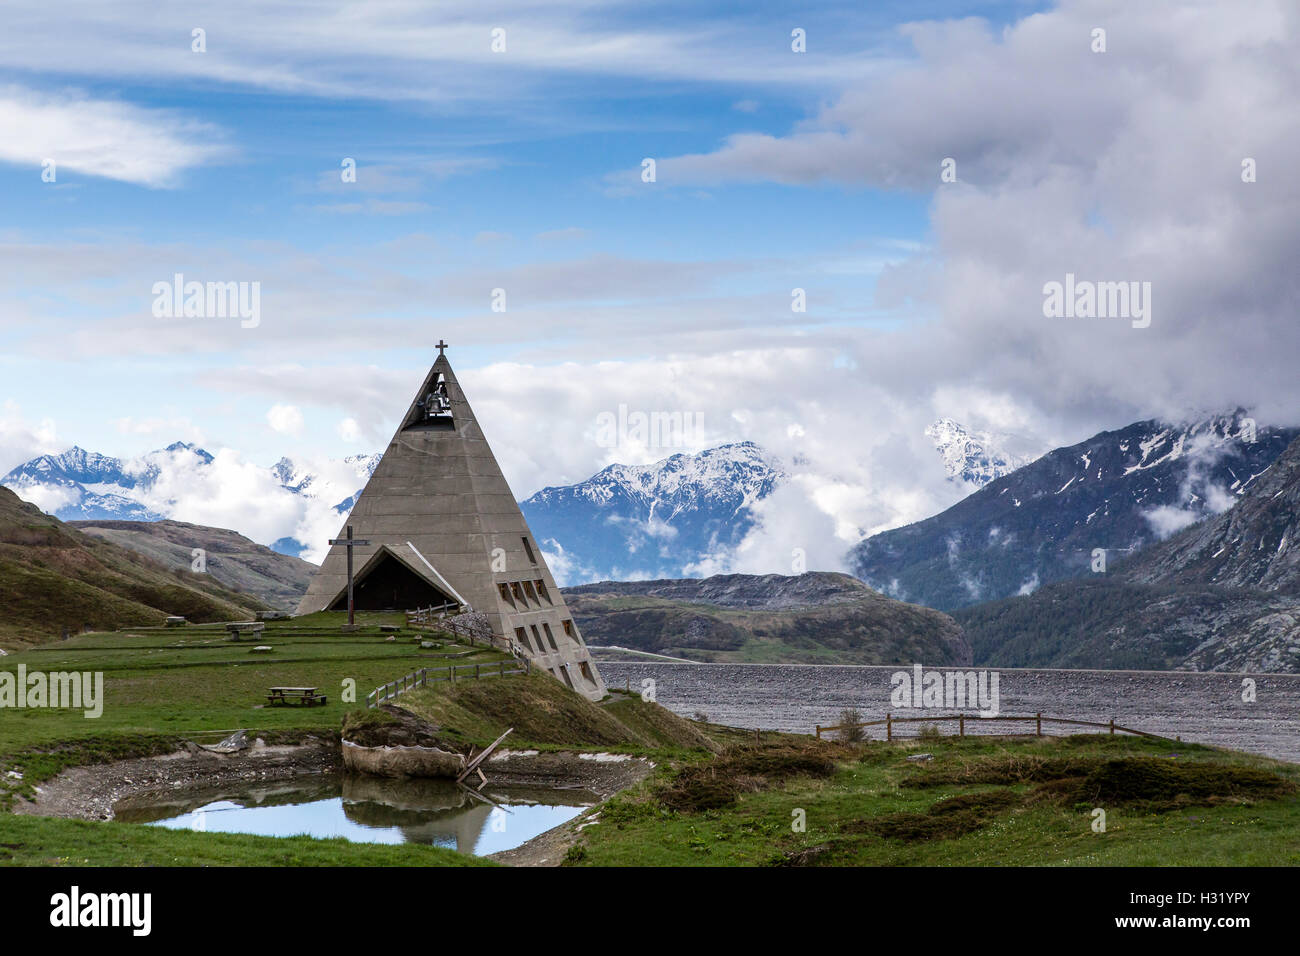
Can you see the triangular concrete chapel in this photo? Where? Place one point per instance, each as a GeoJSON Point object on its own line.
{"type": "Point", "coordinates": [443, 528]}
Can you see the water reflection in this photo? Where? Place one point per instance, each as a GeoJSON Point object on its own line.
{"type": "Point", "coordinates": [367, 810]}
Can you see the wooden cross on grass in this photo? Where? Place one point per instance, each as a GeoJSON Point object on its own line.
{"type": "Point", "coordinates": [350, 543]}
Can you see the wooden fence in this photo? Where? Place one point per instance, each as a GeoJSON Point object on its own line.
{"type": "Point", "coordinates": [1038, 720]}
{"type": "Point", "coordinates": [430, 616]}
{"type": "Point", "coordinates": [435, 675]}
{"type": "Point", "coordinates": [473, 635]}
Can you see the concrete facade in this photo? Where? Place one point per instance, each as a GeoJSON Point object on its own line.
{"type": "Point", "coordinates": [438, 500]}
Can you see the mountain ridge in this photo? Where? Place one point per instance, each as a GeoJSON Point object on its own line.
{"type": "Point", "coordinates": [1115, 492]}
{"type": "Point", "coordinates": [1211, 597]}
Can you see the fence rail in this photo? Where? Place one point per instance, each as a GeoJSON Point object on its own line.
{"type": "Point", "coordinates": [435, 675]}
{"type": "Point", "coordinates": [429, 616]}
{"type": "Point", "coordinates": [474, 634]}
{"type": "Point", "coordinates": [1037, 719]}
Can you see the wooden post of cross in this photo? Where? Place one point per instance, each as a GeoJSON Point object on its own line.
{"type": "Point", "coordinates": [349, 542]}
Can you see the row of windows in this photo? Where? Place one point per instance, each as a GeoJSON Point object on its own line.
{"type": "Point", "coordinates": [563, 672]}
{"type": "Point", "coordinates": [521, 635]}
{"type": "Point", "coordinates": [525, 593]}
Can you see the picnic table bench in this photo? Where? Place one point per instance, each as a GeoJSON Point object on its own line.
{"type": "Point", "coordinates": [244, 627]}
{"type": "Point", "coordinates": [295, 695]}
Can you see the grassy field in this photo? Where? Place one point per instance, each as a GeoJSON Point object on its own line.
{"type": "Point", "coordinates": [42, 841]}
{"type": "Point", "coordinates": [168, 684]}
{"type": "Point", "coordinates": [716, 798]}
{"type": "Point", "coordinates": [977, 802]}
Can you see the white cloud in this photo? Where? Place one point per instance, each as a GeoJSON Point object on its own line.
{"type": "Point", "coordinates": [349, 430]}
{"type": "Point", "coordinates": [285, 419]}
{"type": "Point", "coordinates": [1120, 166]}
{"type": "Point", "coordinates": [102, 138]}
{"type": "Point", "coordinates": [396, 50]}
{"type": "Point", "coordinates": [21, 440]}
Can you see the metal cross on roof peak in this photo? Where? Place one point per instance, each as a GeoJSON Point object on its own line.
{"type": "Point", "coordinates": [442, 347]}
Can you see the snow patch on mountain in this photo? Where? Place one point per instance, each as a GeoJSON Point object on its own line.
{"type": "Point", "coordinates": [665, 519]}
{"type": "Point", "coordinates": [974, 457]}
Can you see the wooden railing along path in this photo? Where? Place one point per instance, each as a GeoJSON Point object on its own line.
{"type": "Point", "coordinates": [1037, 719]}
{"type": "Point", "coordinates": [435, 675]}
{"type": "Point", "coordinates": [439, 617]}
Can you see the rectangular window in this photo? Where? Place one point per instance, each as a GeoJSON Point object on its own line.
{"type": "Point", "coordinates": [541, 589]}
{"type": "Point", "coordinates": [568, 627]}
{"type": "Point", "coordinates": [505, 593]}
{"type": "Point", "coordinates": [522, 638]}
{"type": "Point", "coordinates": [549, 636]}
{"type": "Point", "coordinates": [519, 595]}
{"type": "Point", "coordinates": [528, 548]}
{"type": "Point", "coordinates": [541, 648]}
{"type": "Point", "coordinates": [532, 595]}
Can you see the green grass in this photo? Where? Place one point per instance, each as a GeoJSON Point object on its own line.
{"type": "Point", "coordinates": [55, 577]}
{"type": "Point", "coordinates": [161, 685]}
{"type": "Point", "coordinates": [981, 806]}
{"type": "Point", "coordinates": [548, 716]}
{"type": "Point", "coordinates": [43, 841]}
{"type": "Point", "coordinates": [981, 801]}
{"type": "Point", "coordinates": [164, 685]}
{"type": "Point", "coordinates": [864, 628]}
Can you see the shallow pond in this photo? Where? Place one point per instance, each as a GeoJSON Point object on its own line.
{"type": "Point", "coordinates": [367, 810]}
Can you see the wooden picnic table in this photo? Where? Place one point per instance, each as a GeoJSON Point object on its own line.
{"type": "Point", "coordinates": [295, 695]}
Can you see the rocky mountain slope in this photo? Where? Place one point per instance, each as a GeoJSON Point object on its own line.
{"type": "Point", "coordinates": [233, 561]}
{"type": "Point", "coordinates": [809, 618]}
{"type": "Point", "coordinates": [54, 577]}
{"type": "Point", "coordinates": [653, 520]}
{"type": "Point", "coordinates": [1118, 491]}
{"type": "Point", "coordinates": [1221, 595]}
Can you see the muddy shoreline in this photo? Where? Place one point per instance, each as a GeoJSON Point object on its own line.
{"type": "Point", "coordinates": [90, 792]}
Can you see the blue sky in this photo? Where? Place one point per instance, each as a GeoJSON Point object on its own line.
{"type": "Point", "coordinates": [520, 170]}
{"type": "Point", "coordinates": [514, 174]}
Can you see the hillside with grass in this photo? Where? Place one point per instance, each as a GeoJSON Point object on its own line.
{"type": "Point", "coordinates": [54, 577]}
{"type": "Point", "coordinates": [813, 618]}
{"type": "Point", "coordinates": [547, 715]}
{"type": "Point", "coordinates": [233, 561]}
{"type": "Point", "coordinates": [715, 795]}
{"type": "Point", "coordinates": [972, 802]}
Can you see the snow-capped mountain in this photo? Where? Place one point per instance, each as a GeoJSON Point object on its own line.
{"type": "Point", "coordinates": [79, 485]}
{"type": "Point", "coordinates": [1116, 492]}
{"type": "Point", "coordinates": [639, 521]}
{"type": "Point", "coordinates": [300, 480]}
{"type": "Point", "coordinates": [973, 457]}
{"type": "Point", "coordinates": [1220, 595]}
